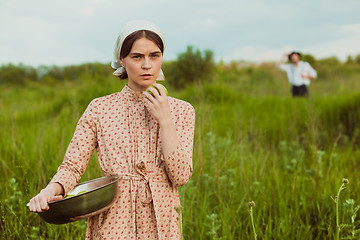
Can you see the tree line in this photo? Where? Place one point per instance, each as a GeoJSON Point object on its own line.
{"type": "Point", "coordinates": [192, 66]}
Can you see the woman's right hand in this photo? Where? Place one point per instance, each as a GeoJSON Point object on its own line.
{"type": "Point", "coordinates": [39, 203]}
{"type": "Point", "coordinates": [283, 58]}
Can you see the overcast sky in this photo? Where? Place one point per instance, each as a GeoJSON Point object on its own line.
{"type": "Point", "coordinates": [77, 31]}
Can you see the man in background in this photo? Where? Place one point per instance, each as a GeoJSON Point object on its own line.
{"type": "Point", "coordinates": [299, 73]}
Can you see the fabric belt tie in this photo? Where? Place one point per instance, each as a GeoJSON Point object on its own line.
{"type": "Point", "coordinates": [144, 192]}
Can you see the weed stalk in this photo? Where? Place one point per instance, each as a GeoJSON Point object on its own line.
{"type": "Point", "coordinates": [251, 206]}
{"type": "Point", "coordinates": [179, 210]}
{"type": "Point", "coordinates": [342, 187]}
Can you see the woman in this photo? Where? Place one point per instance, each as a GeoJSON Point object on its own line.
{"type": "Point", "coordinates": [146, 139]}
{"type": "Point", "coordinates": [299, 73]}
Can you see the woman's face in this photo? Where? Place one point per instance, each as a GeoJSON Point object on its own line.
{"type": "Point", "coordinates": [142, 64]}
{"type": "Point", "coordinates": [294, 58]}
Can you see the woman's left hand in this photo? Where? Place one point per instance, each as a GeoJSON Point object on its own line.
{"type": "Point", "coordinates": [158, 104]}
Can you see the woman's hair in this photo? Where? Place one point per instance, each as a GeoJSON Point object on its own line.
{"type": "Point", "coordinates": [129, 42]}
{"type": "Point", "coordinates": [297, 53]}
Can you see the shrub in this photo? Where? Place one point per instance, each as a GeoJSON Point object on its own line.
{"type": "Point", "coordinates": [11, 74]}
{"type": "Point", "coordinates": [192, 66]}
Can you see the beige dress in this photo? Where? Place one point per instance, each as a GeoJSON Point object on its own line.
{"type": "Point", "coordinates": [128, 144]}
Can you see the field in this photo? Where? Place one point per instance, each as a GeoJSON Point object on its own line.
{"type": "Point", "coordinates": [253, 142]}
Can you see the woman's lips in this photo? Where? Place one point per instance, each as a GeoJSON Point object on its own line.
{"type": "Point", "coordinates": [146, 76]}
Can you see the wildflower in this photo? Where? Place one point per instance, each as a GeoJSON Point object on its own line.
{"type": "Point", "coordinates": [252, 204]}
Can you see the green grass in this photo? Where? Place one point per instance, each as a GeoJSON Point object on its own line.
{"type": "Point", "coordinates": [253, 142]}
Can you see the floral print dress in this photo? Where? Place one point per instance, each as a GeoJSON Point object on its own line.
{"type": "Point", "coordinates": [126, 138]}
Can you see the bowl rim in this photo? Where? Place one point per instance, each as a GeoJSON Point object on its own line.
{"type": "Point", "coordinates": [116, 178]}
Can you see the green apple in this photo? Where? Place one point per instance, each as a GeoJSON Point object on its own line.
{"type": "Point", "coordinates": [166, 92]}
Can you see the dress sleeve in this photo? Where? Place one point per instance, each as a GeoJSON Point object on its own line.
{"type": "Point", "coordinates": [179, 164]}
{"type": "Point", "coordinates": [78, 152]}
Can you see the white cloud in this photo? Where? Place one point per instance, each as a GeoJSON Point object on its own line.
{"type": "Point", "coordinates": [257, 53]}
{"type": "Point", "coordinates": [87, 10]}
{"type": "Point", "coordinates": [98, 1]}
{"type": "Point", "coordinates": [202, 23]}
{"type": "Point", "coordinates": [351, 28]}
{"type": "Point", "coordinates": [341, 48]}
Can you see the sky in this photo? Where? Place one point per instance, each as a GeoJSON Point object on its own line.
{"type": "Point", "coordinates": [45, 32]}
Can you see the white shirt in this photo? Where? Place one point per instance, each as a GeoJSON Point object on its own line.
{"type": "Point", "coordinates": [294, 72]}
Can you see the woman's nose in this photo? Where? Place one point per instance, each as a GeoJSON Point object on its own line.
{"type": "Point", "coordinates": [146, 63]}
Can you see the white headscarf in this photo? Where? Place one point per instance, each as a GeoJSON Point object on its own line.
{"type": "Point", "coordinates": [128, 29]}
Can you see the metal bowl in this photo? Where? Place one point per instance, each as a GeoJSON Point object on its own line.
{"type": "Point", "coordinates": [100, 194]}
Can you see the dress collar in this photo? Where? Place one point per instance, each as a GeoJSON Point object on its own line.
{"type": "Point", "coordinates": [131, 94]}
